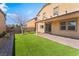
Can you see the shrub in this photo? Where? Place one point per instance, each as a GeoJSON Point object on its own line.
{"type": "Point", "coordinates": [2, 34]}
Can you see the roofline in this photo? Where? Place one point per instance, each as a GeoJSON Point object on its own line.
{"type": "Point", "coordinates": [31, 19]}
{"type": "Point", "coordinates": [43, 7]}
{"type": "Point", "coordinates": [39, 11]}
{"type": "Point", "coordinates": [58, 16]}
{"type": "Point", "coordinates": [2, 12]}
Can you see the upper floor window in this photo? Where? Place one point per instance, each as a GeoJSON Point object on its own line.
{"type": "Point", "coordinates": [37, 17]}
{"type": "Point", "coordinates": [56, 11]}
{"type": "Point", "coordinates": [44, 15]}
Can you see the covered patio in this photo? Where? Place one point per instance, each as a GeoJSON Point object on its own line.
{"type": "Point", "coordinates": [52, 25]}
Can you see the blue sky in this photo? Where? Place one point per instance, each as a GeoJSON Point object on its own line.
{"type": "Point", "coordinates": [26, 10]}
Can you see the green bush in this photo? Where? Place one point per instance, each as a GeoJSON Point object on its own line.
{"type": "Point", "coordinates": [2, 34]}
{"type": "Point", "coordinates": [7, 35]}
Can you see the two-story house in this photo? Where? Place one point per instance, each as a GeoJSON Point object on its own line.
{"type": "Point", "coordinates": [59, 19]}
{"type": "Point", "coordinates": [2, 21]}
{"type": "Point", "coordinates": [30, 25]}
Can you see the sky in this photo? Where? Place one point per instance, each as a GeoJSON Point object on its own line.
{"type": "Point", "coordinates": [25, 10]}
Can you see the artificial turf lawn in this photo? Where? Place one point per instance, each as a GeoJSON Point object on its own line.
{"type": "Point", "coordinates": [32, 45]}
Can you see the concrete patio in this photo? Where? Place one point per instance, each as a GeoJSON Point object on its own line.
{"type": "Point", "coordinates": [62, 40]}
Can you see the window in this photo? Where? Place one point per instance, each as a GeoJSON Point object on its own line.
{"type": "Point", "coordinates": [44, 15]}
{"type": "Point", "coordinates": [55, 11]}
{"type": "Point", "coordinates": [72, 25]}
{"type": "Point", "coordinates": [63, 25]}
{"type": "Point", "coordinates": [41, 26]}
{"type": "Point", "coordinates": [68, 25]}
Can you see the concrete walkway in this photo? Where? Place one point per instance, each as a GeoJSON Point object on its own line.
{"type": "Point", "coordinates": [63, 40]}
{"type": "Point", "coordinates": [6, 46]}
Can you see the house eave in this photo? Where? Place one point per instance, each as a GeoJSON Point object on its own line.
{"type": "Point", "coordinates": [61, 17]}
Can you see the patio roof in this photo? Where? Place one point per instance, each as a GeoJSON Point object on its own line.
{"type": "Point", "coordinates": [74, 14]}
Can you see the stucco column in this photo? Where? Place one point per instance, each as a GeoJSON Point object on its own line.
{"type": "Point", "coordinates": [36, 29]}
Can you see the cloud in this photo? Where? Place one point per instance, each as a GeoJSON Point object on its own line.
{"type": "Point", "coordinates": [3, 7]}
{"type": "Point", "coordinates": [12, 14]}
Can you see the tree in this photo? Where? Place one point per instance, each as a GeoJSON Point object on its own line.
{"type": "Point", "coordinates": [19, 20]}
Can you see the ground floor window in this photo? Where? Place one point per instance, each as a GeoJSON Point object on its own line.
{"type": "Point", "coordinates": [68, 25]}
{"type": "Point", "coordinates": [72, 25]}
{"type": "Point", "coordinates": [63, 25]}
{"type": "Point", "coordinates": [41, 26]}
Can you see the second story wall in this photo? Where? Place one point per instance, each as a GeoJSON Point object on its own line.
{"type": "Point", "coordinates": [30, 23]}
{"type": "Point", "coordinates": [56, 9]}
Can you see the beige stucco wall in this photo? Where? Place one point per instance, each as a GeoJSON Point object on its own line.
{"type": "Point", "coordinates": [39, 29]}
{"type": "Point", "coordinates": [30, 23]}
{"type": "Point", "coordinates": [63, 7]}
{"type": "Point", "coordinates": [56, 29]}
{"type": "Point", "coordinates": [2, 23]}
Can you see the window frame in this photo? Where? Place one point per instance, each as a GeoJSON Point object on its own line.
{"type": "Point", "coordinates": [63, 25]}
{"type": "Point", "coordinates": [56, 11]}
{"type": "Point", "coordinates": [41, 26]}
{"type": "Point", "coordinates": [44, 16]}
{"type": "Point", "coordinates": [69, 25]}
{"type": "Point", "coordinates": [69, 20]}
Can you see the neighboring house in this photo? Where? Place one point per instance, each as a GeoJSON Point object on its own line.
{"type": "Point", "coordinates": [59, 19]}
{"type": "Point", "coordinates": [30, 25]}
{"type": "Point", "coordinates": [2, 21]}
